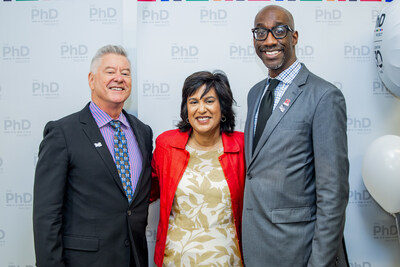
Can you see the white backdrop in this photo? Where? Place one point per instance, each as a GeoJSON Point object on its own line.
{"type": "Point", "coordinates": [45, 52]}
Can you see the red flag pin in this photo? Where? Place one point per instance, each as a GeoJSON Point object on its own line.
{"type": "Point", "coordinates": [287, 102]}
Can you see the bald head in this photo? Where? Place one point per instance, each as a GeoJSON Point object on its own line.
{"type": "Point", "coordinates": [273, 9]}
{"type": "Point", "coordinates": [277, 53]}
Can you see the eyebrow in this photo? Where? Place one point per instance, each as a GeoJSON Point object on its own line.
{"type": "Point", "coordinates": [110, 67]}
{"type": "Point", "coordinates": [277, 23]}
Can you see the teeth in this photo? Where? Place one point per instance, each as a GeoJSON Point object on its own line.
{"type": "Point", "coordinates": [116, 89]}
{"type": "Point", "coordinates": [202, 119]}
{"type": "Point", "coordinates": [271, 53]}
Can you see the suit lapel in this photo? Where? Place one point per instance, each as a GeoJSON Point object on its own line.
{"type": "Point", "coordinates": [93, 133]}
{"type": "Point", "coordinates": [249, 126]}
{"type": "Point", "coordinates": [286, 102]}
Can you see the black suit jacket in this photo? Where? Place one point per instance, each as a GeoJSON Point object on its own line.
{"type": "Point", "coordinates": [81, 215]}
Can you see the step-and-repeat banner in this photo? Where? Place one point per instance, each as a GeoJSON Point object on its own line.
{"type": "Point", "coordinates": [45, 51]}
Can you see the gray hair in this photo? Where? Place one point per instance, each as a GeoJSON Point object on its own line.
{"type": "Point", "coordinates": [108, 49]}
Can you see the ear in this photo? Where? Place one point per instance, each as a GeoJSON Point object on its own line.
{"type": "Point", "coordinates": [295, 37]}
{"type": "Point", "coordinates": [91, 80]}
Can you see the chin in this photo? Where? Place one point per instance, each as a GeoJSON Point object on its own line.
{"type": "Point", "coordinates": [273, 66]}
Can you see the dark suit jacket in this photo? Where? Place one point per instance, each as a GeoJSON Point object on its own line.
{"type": "Point", "coordinates": [81, 215]}
{"type": "Point", "coordinates": [296, 188]}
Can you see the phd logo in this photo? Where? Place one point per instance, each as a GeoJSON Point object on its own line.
{"type": "Point", "coordinates": [360, 264]}
{"type": "Point", "coordinates": [216, 17]}
{"type": "Point", "coordinates": [379, 89]}
{"type": "Point", "coordinates": [151, 235]}
{"type": "Point", "coordinates": [19, 200]}
{"type": "Point", "coordinates": [359, 125]}
{"type": "Point", "coordinates": [45, 89]}
{"type": "Point", "coordinates": [76, 53]}
{"type": "Point", "coordinates": [357, 52]}
{"type": "Point", "coordinates": [328, 16]}
{"type": "Point", "coordinates": [17, 127]}
{"type": "Point", "coordinates": [242, 53]}
{"type": "Point", "coordinates": [45, 16]}
{"type": "Point", "coordinates": [158, 90]}
{"type": "Point", "coordinates": [17, 53]}
{"type": "Point", "coordinates": [156, 17]}
{"type": "Point", "coordinates": [305, 53]}
{"type": "Point", "coordinates": [361, 198]}
{"type": "Point", "coordinates": [385, 232]}
{"type": "Point", "coordinates": [103, 15]}
{"type": "Point", "coordinates": [185, 53]}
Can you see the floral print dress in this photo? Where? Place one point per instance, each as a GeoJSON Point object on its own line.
{"type": "Point", "coordinates": [201, 231]}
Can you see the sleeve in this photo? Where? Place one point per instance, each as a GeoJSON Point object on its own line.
{"type": "Point", "coordinates": [49, 189]}
{"type": "Point", "coordinates": [331, 177]}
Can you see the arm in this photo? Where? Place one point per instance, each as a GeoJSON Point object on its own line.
{"type": "Point", "coordinates": [331, 177]}
{"type": "Point", "coordinates": [49, 188]}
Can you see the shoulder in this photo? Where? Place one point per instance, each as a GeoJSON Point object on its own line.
{"type": "Point", "coordinates": [316, 89]}
{"type": "Point", "coordinates": [237, 135]}
{"type": "Point", "coordinates": [258, 86]}
{"type": "Point", "coordinates": [172, 136]}
{"type": "Point", "coordinates": [234, 138]}
{"type": "Point", "coordinates": [136, 121]}
{"type": "Point", "coordinates": [315, 82]}
{"type": "Point", "coordinates": [64, 122]}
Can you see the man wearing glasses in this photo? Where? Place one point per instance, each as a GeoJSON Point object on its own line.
{"type": "Point", "coordinates": [296, 189]}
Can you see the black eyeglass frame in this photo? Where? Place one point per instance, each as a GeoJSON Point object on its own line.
{"type": "Point", "coordinates": [287, 27]}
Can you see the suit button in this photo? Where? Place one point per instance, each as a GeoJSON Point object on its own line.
{"type": "Point", "coordinates": [129, 213]}
{"type": "Point", "coordinates": [127, 243]}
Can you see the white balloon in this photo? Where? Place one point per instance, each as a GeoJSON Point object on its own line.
{"type": "Point", "coordinates": [387, 46]}
{"type": "Point", "coordinates": [381, 172]}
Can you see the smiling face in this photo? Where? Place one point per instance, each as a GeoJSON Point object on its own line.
{"type": "Point", "coordinates": [204, 113]}
{"type": "Point", "coordinates": [276, 54]}
{"type": "Point", "coordinates": [111, 83]}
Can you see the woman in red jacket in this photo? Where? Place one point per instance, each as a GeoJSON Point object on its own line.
{"type": "Point", "coordinates": [198, 174]}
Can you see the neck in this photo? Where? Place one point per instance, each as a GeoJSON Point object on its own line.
{"type": "Point", "coordinates": [112, 110]}
{"type": "Point", "coordinates": [205, 142]}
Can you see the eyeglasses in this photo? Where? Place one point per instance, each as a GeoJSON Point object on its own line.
{"type": "Point", "coordinates": [279, 32]}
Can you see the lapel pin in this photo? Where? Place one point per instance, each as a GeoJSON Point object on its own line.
{"type": "Point", "coordinates": [97, 144]}
{"type": "Point", "coordinates": [281, 108]}
{"type": "Point", "coordinates": [287, 102]}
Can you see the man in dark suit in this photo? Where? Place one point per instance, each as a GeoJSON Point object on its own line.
{"type": "Point", "coordinates": [90, 206]}
{"type": "Point", "coordinates": [296, 189]}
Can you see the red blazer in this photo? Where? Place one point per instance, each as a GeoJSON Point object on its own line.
{"type": "Point", "coordinates": [170, 160]}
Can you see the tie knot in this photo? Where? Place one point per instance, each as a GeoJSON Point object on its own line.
{"type": "Point", "coordinates": [115, 124]}
{"type": "Point", "coordinates": [273, 83]}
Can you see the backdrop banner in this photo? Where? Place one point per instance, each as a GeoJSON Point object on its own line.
{"type": "Point", "coordinates": [45, 51]}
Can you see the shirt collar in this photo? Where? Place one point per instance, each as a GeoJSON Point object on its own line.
{"type": "Point", "coordinates": [288, 75]}
{"type": "Point", "coordinates": [102, 118]}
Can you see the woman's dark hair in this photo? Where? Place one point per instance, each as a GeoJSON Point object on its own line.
{"type": "Point", "coordinates": [220, 83]}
